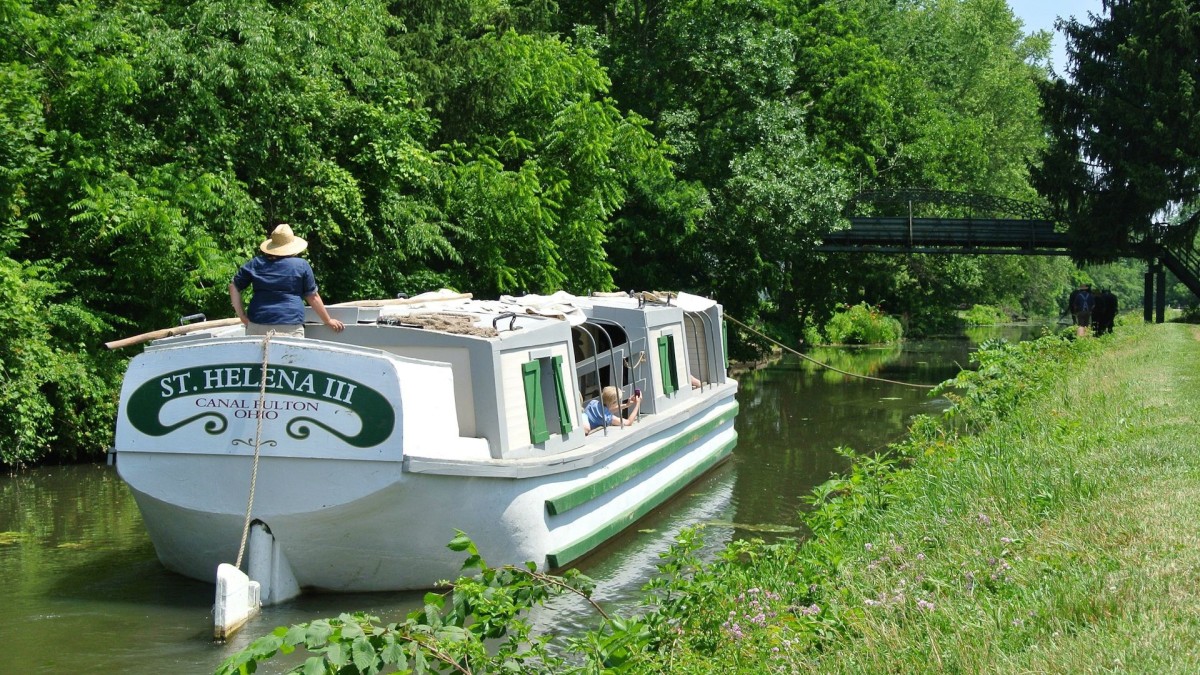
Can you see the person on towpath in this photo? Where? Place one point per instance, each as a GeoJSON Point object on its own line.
{"type": "Point", "coordinates": [282, 281]}
{"type": "Point", "coordinates": [1105, 313]}
{"type": "Point", "coordinates": [1080, 304]}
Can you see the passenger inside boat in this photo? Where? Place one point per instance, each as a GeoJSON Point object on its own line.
{"type": "Point", "coordinates": [607, 410]}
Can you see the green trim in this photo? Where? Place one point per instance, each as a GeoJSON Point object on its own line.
{"type": "Point", "coordinates": [560, 393]}
{"type": "Point", "coordinates": [586, 493]}
{"type": "Point", "coordinates": [666, 364]}
{"type": "Point", "coordinates": [662, 364]}
{"type": "Point", "coordinates": [531, 375]}
{"type": "Point", "coordinates": [582, 546]}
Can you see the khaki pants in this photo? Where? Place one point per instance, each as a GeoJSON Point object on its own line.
{"type": "Point", "coordinates": [282, 330]}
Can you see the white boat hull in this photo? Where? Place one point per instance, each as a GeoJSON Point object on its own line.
{"type": "Point", "coordinates": [373, 526]}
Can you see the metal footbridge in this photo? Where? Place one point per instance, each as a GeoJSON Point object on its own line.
{"type": "Point", "coordinates": [888, 221]}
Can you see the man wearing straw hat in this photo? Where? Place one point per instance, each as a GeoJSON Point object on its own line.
{"type": "Point", "coordinates": [282, 281]}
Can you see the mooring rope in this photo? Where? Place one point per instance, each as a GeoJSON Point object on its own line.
{"type": "Point", "coordinates": [826, 365]}
{"type": "Point", "coordinates": [262, 396]}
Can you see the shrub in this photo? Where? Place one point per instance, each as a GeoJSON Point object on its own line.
{"type": "Point", "coordinates": [53, 395]}
{"type": "Point", "coordinates": [1006, 375]}
{"type": "Point", "coordinates": [985, 315]}
{"type": "Point", "coordinates": [862, 324]}
{"type": "Point", "coordinates": [1190, 314]}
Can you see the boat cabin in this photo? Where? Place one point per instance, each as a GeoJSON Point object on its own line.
{"type": "Point", "coordinates": [521, 369]}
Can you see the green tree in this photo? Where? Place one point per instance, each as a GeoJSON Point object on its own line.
{"type": "Point", "coordinates": [53, 397]}
{"type": "Point", "coordinates": [768, 107]}
{"type": "Point", "coordinates": [1125, 146]}
{"type": "Point", "coordinates": [540, 158]}
{"type": "Point", "coordinates": [966, 118]}
{"type": "Point", "coordinates": [146, 145]}
{"type": "Point", "coordinates": [178, 131]}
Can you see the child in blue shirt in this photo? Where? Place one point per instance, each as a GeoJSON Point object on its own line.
{"type": "Point", "coordinates": [608, 414]}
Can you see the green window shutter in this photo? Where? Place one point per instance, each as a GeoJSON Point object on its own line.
{"type": "Point", "coordinates": [531, 373]}
{"type": "Point", "coordinates": [666, 364]}
{"type": "Point", "coordinates": [560, 392]}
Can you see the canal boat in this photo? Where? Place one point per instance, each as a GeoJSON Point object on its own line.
{"type": "Point", "coordinates": [346, 461]}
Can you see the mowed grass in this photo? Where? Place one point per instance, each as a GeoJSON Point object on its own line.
{"type": "Point", "coordinates": [1063, 540]}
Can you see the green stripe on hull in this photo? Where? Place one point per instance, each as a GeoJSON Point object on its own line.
{"type": "Point", "coordinates": [623, 520]}
{"type": "Point", "coordinates": [586, 493]}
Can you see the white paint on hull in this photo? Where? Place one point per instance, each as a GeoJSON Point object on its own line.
{"type": "Point", "coordinates": [360, 526]}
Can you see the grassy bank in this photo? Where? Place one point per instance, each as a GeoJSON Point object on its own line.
{"type": "Point", "coordinates": [1064, 539]}
{"type": "Point", "coordinates": [1048, 524]}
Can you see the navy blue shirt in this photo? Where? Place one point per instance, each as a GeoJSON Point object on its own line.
{"type": "Point", "coordinates": [280, 286]}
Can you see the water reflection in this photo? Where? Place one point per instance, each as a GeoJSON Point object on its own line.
{"type": "Point", "coordinates": [84, 592]}
{"type": "Point", "coordinates": [83, 589]}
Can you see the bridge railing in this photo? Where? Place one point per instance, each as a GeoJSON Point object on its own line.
{"type": "Point", "coordinates": [1034, 231]}
{"type": "Point", "coordinates": [1187, 264]}
{"type": "Point", "coordinates": [1178, 255]}
{"type": "Point", "coordinates": [964, 233]}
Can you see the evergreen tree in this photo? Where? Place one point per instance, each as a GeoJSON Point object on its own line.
{"type": "Point", "coordinates": [1126, 124]}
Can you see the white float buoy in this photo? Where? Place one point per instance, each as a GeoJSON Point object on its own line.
{"type": "Point", "coordinates": [237, 601]}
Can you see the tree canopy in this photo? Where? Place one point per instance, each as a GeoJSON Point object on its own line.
{"type": "Point", "coordinates": [496, 147]}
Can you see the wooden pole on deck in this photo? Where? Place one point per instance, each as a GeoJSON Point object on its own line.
{"type": "Point", "coordinates": [170, 332]}
{"type": "Point", "coordinates": [389, 302]}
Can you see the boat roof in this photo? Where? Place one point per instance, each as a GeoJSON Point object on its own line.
{"type": "Point", "coordinates": [455, 313]}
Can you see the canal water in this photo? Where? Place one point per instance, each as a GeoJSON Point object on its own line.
{"type": "Point", "coordinates": [82, 590]}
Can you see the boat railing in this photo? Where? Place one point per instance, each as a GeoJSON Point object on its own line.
{"type": "Point", "coordinates": [648, 297]}
{"type": "Point", "coordinates": [511, 316]}
{"type": "Point", "coordinates": [595, 364]}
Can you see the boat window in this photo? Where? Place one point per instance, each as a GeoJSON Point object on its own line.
{"type": "Point", "coordinates": [703, 349]}
{"type": "Point", "coordinates": [591, 338]}
{"type": "Point", "coordinates": [601, 358]}
{"type": "Point", "coordinates": [546, 403]}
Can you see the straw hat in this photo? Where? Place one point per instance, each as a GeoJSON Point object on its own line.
{"type": "Point", "coordinates": [283, 242]}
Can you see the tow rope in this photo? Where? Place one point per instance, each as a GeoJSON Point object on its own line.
{"type": "Point", "coordinates": [262, 396]}
{"type": "Point", "coordinates": [826, 365]}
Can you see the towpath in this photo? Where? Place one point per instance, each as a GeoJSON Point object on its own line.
{"type": "Point", "coordinates": [1064, 540]}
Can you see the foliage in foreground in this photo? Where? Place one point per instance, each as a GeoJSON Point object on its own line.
{"type": "Point", "coordinates": [476, 627]}
{"type": "Point", "coordinates": [758, 607]}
